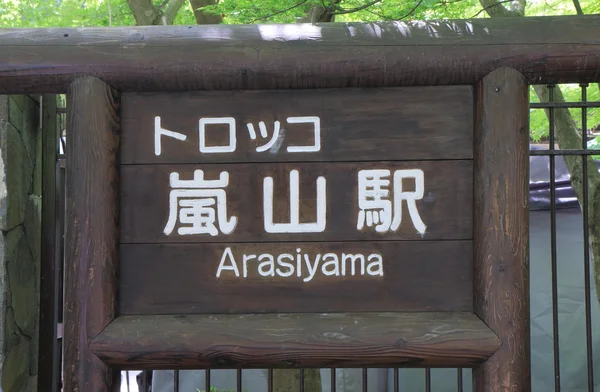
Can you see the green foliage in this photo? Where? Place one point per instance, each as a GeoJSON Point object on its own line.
{"type": "Point", "coordinates": [539, 127]}
{"type": "Point", "coordinates": [64, 13]}
{"type": "Point", "coordinates": [80, 13]}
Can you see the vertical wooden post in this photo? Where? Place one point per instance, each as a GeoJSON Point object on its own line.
{"type": "Point", "coordinates": [49, 310]}
{"type": "Point", "coordinates": [92, 236]}
{"type": "Point", "coordinates": [501, 228]}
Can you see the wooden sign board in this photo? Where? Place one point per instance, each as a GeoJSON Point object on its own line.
{"type": "Point", "coordinates": [352, 227]}
{"type": "Point", "coordinates": [297, 201]}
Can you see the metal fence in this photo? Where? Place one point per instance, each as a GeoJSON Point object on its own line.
{"type": "Point", "coordinates": [570, 365]}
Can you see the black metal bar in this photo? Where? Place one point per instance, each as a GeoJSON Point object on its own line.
{"type": "Point", "coordinates": [427, 380]}
{"type": "Point", "coordinates": [301, 380]}
{"type": "Point", "coordinates": [270, 380]}
{"type": "Point", "coordinates": [175, 380]}
{"type": "Point", "coordinates": [144, 381]}
{"type": "Point", "coordinates": [545, 105]}
{"type": "Point", "coordinates": [396, 380]}
{"type": "Point", "coordinates": [239, 380]}
{"type": "Point", "coordinates": [563, 152]}
{"type": "Point", "coordinates": [333, 383]}
{"type": "Point", "coordinates": [365, 380]}
{"type": "Point", "coordinates": [460, 387]}
{"type": "Point", "coordinates": [207, 380]}
{"type": "Point", "coordinates": [553, 245]}
{"type": "Point", "coordinates": [586, 247]}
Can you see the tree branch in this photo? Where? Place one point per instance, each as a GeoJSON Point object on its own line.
{"type": "Point", "coordinates": [203, 17]}
{"type": "Point", "coordinates": [143, 11]}
{"type": "Point", "coordinates": [412, 11]}
{"type": "Point", "coordinates": [171, 10]}
{"type": "Point", "coordinates": [341, 11]}
{"type": "Point", "coordinates": [497, 9]}
{"type": "Point", "coordinates": [578, 7]}
{"type": "Point", "coordinates": [280, 11]}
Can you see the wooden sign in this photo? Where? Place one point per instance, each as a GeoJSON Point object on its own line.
{"type": "Point", "coordinates": [374, 227]}
{"type": "Point", "coordinates": [297, 201]}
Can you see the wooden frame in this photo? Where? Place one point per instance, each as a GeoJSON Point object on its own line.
{"type": "Point", "coordinates": [501, 72]}
{"type": "Point", "coordinates": [178, 58]}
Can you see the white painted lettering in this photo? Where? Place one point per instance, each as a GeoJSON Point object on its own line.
{"type": "Point", "coordinates": [230, 122]}
{"type": "Point", "coordinates": [311, 271]}
{"type": "Point", "coordinates": [233, 267]}
{"type": "Point", "coordinates": [294, 226]}
{"type": "Point", "coordinates": [378, 263]}
{"type": "Point", "coordinates": [287, 265]}
{"type": "Point", "coordinates": [269, 263]}
{"type": "Point", "coordinates": [352, 259]}
{"type": "Point", "coordinates": [316, 121]}
{"type": "Point", "coordinates": [333, 262]}
{"type": "Point", "coordinates": [376, 208]}
{"type": "Point", "coordinates": [245, 263]}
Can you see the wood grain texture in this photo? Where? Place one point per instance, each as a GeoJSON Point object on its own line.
{"type": "Point", "coordinates": [296, 341]}
{"type": "Point", "coordinates": [49, 265]}
{"type": "Point", "coordinates": [92, 235]}
{"type": "Point", "coordinates": [446, 207]}
{"type": "Point", "coordinates": [546, 50]}
{"type": "Point", "coordinates": [417, 276]}
{"type": "Point", "coordinates": [355, 124]}
{"type": "Point", "coordinates": [501, 235]}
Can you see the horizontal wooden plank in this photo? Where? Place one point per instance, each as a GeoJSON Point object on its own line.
{"type": "Point", "coordinates": [249, 341]}
{"type": "Point", "coordinates": [40, 69]}
{"type": "Point", "coordinates": [545, 49]}
{"type": "Point", "coordinates": [299, 277]}
{"type": "Point", "coordinates": [516, 31]}
{"type": "Point", "coordinates": [323, 207]}
{"type": "Point", "coordinates": [312, 125]}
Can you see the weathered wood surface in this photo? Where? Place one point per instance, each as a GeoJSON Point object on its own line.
{"type": "Point", "coordinates": [445, 209]}
{"type": "Point", "coordinates": [49, 272]}
{"type": "Point", "coordinates": [373, 276]}
{"type": "Point", "coordinates": [294, 341]}
{"type": "Point", "coordinates": [501, 232]}
{"type": "Point", "coordinates": [354, 124]}
{"type": "Point", "coordinates": [544, 49]}
{"type": "Point", "coordinates": [92, 236]}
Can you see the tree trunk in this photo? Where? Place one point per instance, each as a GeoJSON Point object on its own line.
{"type": "Point", "coordinates": [203, 17]}
{"type": "Point", "coordinates": [147, 14]}
{"type": "Point", "coordinates": [567, 137]}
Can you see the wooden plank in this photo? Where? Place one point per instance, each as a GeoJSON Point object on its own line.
{"type": "Point", "coordinates": [445, 207]}
{"type": "Point", "coordinates": [501, 232]}
{"type": "Point", "coordinates": [92, 216]}
{"type": "Point", "coordinates": [48, 360]}
{"type": "Point", "coordinates": [297, 277]}
{"type": "Point", "coordinates": [48, 70]}
{"type": "Point", "coordinates": [301, 56]}
{"type": "Point", "coordinates": [296, 341]}
{"type": "Point", "coordinates": [352, 125]}
{"type": "Point", "coordinates": [516, 31]}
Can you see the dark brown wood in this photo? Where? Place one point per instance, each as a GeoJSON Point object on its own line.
{"type": "Point", "coordinates": [545, 49]}
{"type": "Point", "coordinates": [445, 209]}
{"type": "Point", "coordinates": [92, 235]}
{"type": "Point", "coordinates": [49, 278]}
{"type": "Point", "coordinates": [182, 278]}
{"type": "Point", "coordinates": [355, 124]}
{"type": "Point", "coordinates": [295, 341]}
{"type": "Point", "coordinates": [501, 232]}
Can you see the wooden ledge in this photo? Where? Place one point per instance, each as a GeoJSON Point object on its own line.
{"type": "Point", "coordinates": [296, 340]}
